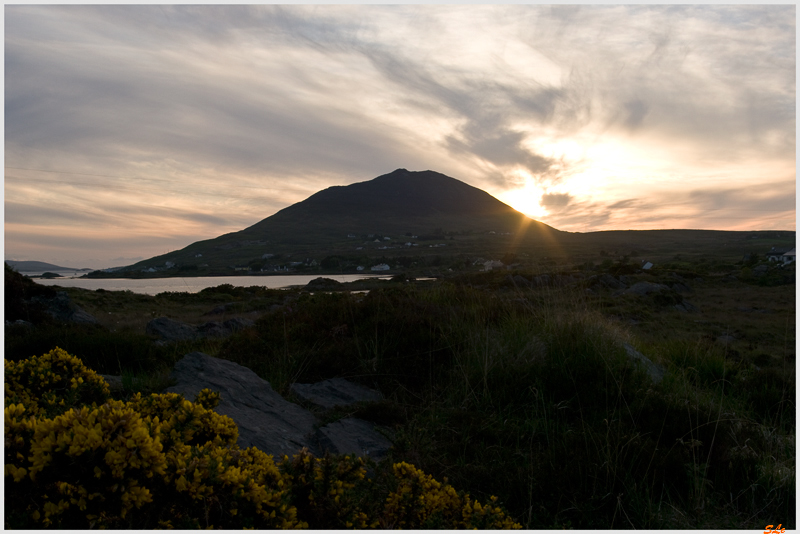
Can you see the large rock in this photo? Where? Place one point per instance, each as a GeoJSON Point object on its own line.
{"type": "Point", "coordinates": [644, 288]}
{"type": "Point", "coordinates": [335, 392]}
{"type": "Point", "coordinates": [353, 436]}
{"type": "Point", "coordinates": [656, 372]}
{"type": "Point", "coordinates": [265, 419]}
{"type": "Point", "coordinates": [171, 330]}
{"type": "Point", "coordinates": [62, 309]}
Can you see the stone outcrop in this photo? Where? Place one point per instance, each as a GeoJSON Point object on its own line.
{"type": "Point", "coordinates": [644, 288]}
{"type": "Point", "coordinates": [353, 436]}
{"type": "Point", "coordinates": [268, 421]}
{"type": "Point", "coordinates": [265, 419]}
{"type": "Point", "coordinates": [171, 330]}
{"type": "Point", "coordinates": [335, 392]}
{"type": "Point", "coordinates": [62, 309]}
{"type": "Point", "coordinates": [654, 371]}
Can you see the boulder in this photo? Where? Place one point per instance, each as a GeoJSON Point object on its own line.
{"type": "Point", "coordinates": [170, 330]}
{"type": "Point", "coordinates": [656, 372]}
{"type": "Point", "coordinates": [237, 323]}
{"type": "Point", "coordinates": [353, 436]}
{"type": "Point", "coordinates": [62, 309]}
{"type": "Point", "coordinates": [644, 288]}
{"type": "Point", "coordinates": [335, 392]}
{"type": "Point", "coordinates": [114, 383]}
{"type": "Point", "coordinates": [265, 419]}
{"type": "Point", "coordinates": [322, 284]}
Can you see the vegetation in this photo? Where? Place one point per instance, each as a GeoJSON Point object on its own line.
{"type": "Point", "coordinates": [76, 459]}
{"type": "Point", "coordinates": [528, 393]}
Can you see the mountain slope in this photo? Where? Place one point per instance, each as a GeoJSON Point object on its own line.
{"type": "Point", "coordinates": [399, 204]}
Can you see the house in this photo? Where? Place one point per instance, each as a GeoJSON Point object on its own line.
{"type": "Point", "coordinates": [647, 266]}
{"type": "Point", "coordinates": [198, 255]}
{"type": "Point", "coordinates": [360, 268]}
{"type": "Point", "coordinates": [789, 257]}
{"type": "Point", "coordinates": [776, 254]}
{"type": "Point", "coordinates": [351, 235]}
{"type": "Point", "coordinates": [379, 267]}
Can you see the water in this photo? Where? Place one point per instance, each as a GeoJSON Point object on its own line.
{"type": "Point", "coordinates": [153, 286]}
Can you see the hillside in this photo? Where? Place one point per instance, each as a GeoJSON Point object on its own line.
{"type": "Point", "coordinates": [36, 266]}
{"type": "Point", "coordinates": [398, 205]}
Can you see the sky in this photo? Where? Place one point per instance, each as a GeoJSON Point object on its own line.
{"type": "Point", "coordinates": [131, 131]}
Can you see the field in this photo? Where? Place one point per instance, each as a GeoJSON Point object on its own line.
{"type": "Point", "coordinates": [517, 383]}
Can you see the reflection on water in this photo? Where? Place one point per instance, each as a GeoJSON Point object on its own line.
{"type": "Point", "coordinates": [153, 286]}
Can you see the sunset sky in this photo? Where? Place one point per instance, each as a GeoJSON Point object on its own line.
{"type": "Point", "coordinates": [131, 131]}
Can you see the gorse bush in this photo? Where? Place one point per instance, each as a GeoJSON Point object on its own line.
{"type": "Point", "coordinates": [76, 459]}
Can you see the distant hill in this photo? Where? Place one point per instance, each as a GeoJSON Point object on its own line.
{"type": "Point", "coordinates": [36, 266]}
{"type": "Point", "coordinates": [398, 205]}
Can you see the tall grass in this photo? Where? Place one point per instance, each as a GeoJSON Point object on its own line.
{"type": "Point", "coordinates": [529, 395]}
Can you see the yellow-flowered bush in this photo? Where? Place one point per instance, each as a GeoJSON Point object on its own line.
{"type": "Point", "coordinates": [74, 458]}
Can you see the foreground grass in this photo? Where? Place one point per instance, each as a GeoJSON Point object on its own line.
{"type": "Point", "coordinates": [528, 394]}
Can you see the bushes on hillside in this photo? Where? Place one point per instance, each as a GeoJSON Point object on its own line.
{"type": "Point", "coordinates": [76, 459]}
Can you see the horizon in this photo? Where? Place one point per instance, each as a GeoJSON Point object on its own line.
{"type": "Point", "coordinates": [132, 131]}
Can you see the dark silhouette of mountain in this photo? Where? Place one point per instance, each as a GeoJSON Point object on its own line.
{"type": "Point", "coordinates": [398, 204]}
{"type": "Point", "coordinates": [34, 266]}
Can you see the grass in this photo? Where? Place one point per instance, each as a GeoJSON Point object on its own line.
{"type": "Point", "coordinates": [527, 393]}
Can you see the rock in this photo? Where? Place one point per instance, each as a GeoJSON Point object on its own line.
{"type": "Point", "coordinates": [607, 281]}
{"type": "Point", "coordinates": [681, 288]}
{"type": "Point", "coordinates": [19, 323]}
{"type": "Point", "coordinates": [656, 372]}
{"type": "Point", "coordinates": [264, 418]}
{"type": "Point", "coordinates": [170, 330]}
{"type": "Point", "coordinates": [237, 323]}
{"type": "Point", "coordinates": [212, 329]}
{"type": "Point", "coordinates": [322, 284]}
{"type": "Point", "coordinates": [353, 436]}
{"type": "Point", "coordinates": [62, 309]}
{"type": "Point", "coordinates": [335, 392]}
{"type": "Point", "coordinates": [643, 288]}
{"type": "Point", "coordinates": [725, 339]}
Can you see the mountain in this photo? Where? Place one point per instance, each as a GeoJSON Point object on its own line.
{"type": "Point", "coordinates": [397, 205]}
{"type": "Point", "coordinates": [36, 266]}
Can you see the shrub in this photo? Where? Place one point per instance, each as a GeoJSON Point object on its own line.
{"type": "Point", "coordinates": [76, 459]}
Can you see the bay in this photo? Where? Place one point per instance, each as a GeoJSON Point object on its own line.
{"type": "Point", "coordinates": [153, 286]}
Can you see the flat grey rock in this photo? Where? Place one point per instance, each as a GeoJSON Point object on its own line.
{"type": "Point", "coordinates": [656, 372]}
{"type": "Point", "coordinates": [265, 419]}
{"type": "Point", "coordinates": [643, 288]}
{"type": "Point", "coordinates": [61, 308]}
{"type": "Point", "coordinates": [353, 436]}
{"type": "Point", "coordinates": [335, 392]}
{"type": "Point", "coordinates": [170, 330]}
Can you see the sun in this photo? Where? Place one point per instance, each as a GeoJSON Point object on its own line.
{"type": "Point", "coordinates": [525, 199]}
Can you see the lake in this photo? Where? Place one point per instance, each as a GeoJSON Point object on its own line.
{"type": "Point", "coordinates": [153, 286]}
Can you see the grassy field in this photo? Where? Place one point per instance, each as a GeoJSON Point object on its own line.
{"type": "Point", "coordinates": [526, 391]}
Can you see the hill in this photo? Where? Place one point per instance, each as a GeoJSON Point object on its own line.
{"type": "Point", "coordinates": [404, 206]}
{"type": "Point", "coordinates": [36, 266]}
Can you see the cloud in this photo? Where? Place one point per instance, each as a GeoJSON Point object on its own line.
{"type": "Point", "coordinates": [202, 118]}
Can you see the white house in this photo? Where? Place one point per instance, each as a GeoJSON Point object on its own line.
{"type": "Point", "coordinates": [789, 257]}
{"type": "Point", "coordinates": [379, 267]}
{"type": "Point", "coordinates": [492, 264]}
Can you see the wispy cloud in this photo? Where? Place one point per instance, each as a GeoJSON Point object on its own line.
{"type": "Point", "coordinates": [210, 118]}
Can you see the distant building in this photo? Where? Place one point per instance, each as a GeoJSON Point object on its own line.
{"type": "Point", "coordinates": [360, 268]}
{"type": "Point", "coordinates": [198, 255]}
{"type": "Point", "coordinates": [789, 257]}
{"type": "Point", "coordinates": [379, 267]}
{"type": "Point", "coordinates": [647, 266]}
{"type": "Point", "coordinates": [776, 254]}
{"type": "Point", "coordinates": [351, 235]}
